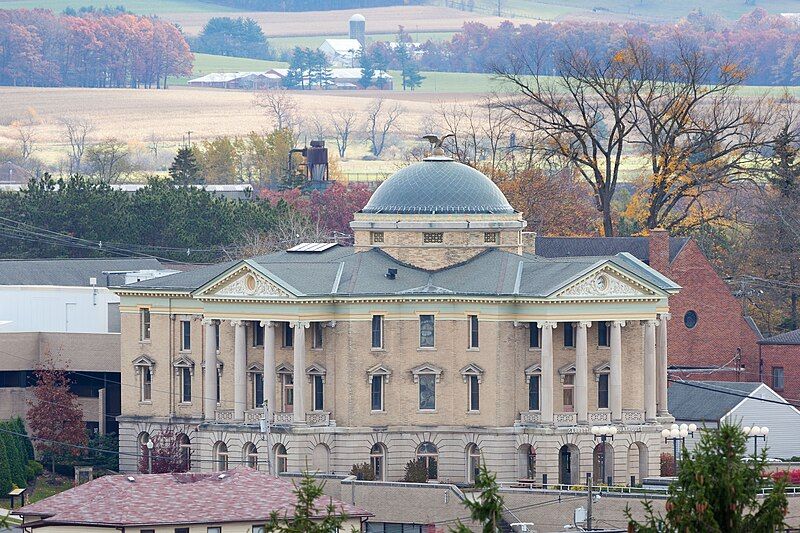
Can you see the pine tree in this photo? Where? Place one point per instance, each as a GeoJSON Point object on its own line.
{"type": "Point", "coordinates": [487, 508]}
{"type": "Point", "coordinates": [306, 516]}
{"type": "Point", "coordinates": [184, 169]}
{"type": "Point", "coordinates": [717, 490]}
{"type": "Point", "coordinates": [6, 482]}
{"type": "Point", "coordinates": [367, 70]}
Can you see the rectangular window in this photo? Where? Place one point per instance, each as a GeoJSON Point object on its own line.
{"type": "Point", "coordinates": [533, 393]}
{"type": "Point", "coordinates": [427, 337]}
{"type": "Point", "coordinates": [473, 331]}
{"type": "Point", "coordinates": [376, 237]}
{"type": "Point", "coordinates": [533, 340]}
{"type": "Point", "coordinates": [427, 392]}
{"type": "Point", "coordinates": [186, 385]}
{"type": "Point", "coordinates": [258, 333]}
{"type": "Point", "coordinates": [257, 529]}
{"type": "Point", "coordinates": [432, 238]}
{"type": "Point", "coordinates": [219, 389]}
{"type": "Point", "coordinates": [144, 324]}
{"type": "Point", "coordinates": [474, 393]}
{"type": "Point", "coordinates": [777, 377]}
{"type": "Point", "coordinates": [146, 383]}
{"type": "Point", "coordinates": [377, 393]}
{"type": "Point", "coordinates": [215, 529]}
{"type": "Point", "coordinates": [287, 381]}
{"type": "Point", "coordinates": [602, 391]}
{"type": "Point", "coordinates": [316, 335]}
{"type": "Point", "coordinates": [258, 390]}
{"type": "Point", "coordinates": [604, 334]}
{"type": "Point", "coordinates": [181, 530]}
{"type": "Point", "coordinates": [569, 335]}
{"type": "Point", "coordinates": [186, 335]}
{"type": "Point", "coordinates": [147, 531]}
{"type": "Point", "coordinates": [569, 389]}
{"type": "Point", "coordinates": [216, 335]}
{"type": "Point", "coordinates": [377, 331]}
{"type": "Point", "coordinates": [490, 237]}
{"type": "Point", "coordinates": [319, 393]}
{"type": "Point", "coordinates": [288, 335]}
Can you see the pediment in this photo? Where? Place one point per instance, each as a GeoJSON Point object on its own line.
{"type": "Point", "coordinates": [144, 360]}
{"type": "Point", "coordinates": [284, 368]}
{"type": "Point", "coordinates": [379, 370]}
{"type": "Point", "coordinates": [245, 281]}
{"type": "Point", "coordinates": [255, 368]}
{"type": "Point", "coordinates": [534, 369]}
{"type": "Point", "coordinates": [569, 368]}
{"type": "Point", "coordinates": [183, 361]}
{"type": "Point", "coordinates": [471, 370]}
{"type": "Point", "coordinates": [606, 282]}
{"type": "Point", "coordinates": [426, 368]}
{"type": "Point", "coordinates": [316, 369]}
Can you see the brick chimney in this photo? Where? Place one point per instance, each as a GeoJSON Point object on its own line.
{"type": "Point", "coordinates": [658, 249]}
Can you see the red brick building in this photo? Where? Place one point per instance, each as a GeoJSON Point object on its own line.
{"type": "Point", "coordinates": [709, 339]}
{"type": "Point", "coordinates": [780, 363]}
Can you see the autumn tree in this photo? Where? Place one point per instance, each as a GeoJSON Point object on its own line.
{"type": "Point", "coordinates": [54, 415]}
{"type": "Point", "coordinates": [165, 457]}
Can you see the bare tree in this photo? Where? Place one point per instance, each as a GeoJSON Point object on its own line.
{"type": "Point", "coordinates": [78, 131]}
{"type": "Point", "coordinates": [318, 127]}
{"type": "Point", "coordinates": [154, 142]}
{"type": "Point", "coordinates": [291, 229]}
{"type": "Point", "coordinates": [381, 119]}
{"type": "Point", "coordinates": [25, 131]}
{"type": "Point", "coordinates": [343, 122]}
{"type": "Point", "coordinates": [109, 160]}
{"type": "Point", "coordinates": [584, 115]}
{"type": "Point", "coordinates": [280, 107]}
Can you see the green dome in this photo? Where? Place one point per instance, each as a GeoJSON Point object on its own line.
{"type": "Point", "coordinates": [438, 185]}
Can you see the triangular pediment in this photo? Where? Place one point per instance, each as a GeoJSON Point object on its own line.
{"type": "Point", "coordinates": [144, 360]}
{"type": "Point", "coordinates": [183, 361]}
{"type": "Point", "coordinates": [534, 369]}
{"type": "Point", "coordinates": [247, 280]}
{"type": "Point", "coordinates": [284, 368]}
{"type": "Point", "coordinates": [606, 282]}
{"type": "Point", "coordinates": [379, 370]}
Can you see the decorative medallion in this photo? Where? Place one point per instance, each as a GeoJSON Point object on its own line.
{"type": "Point", "coordinates": [601, 284]}
{"type": "Point", "coordinates": [251, 285]}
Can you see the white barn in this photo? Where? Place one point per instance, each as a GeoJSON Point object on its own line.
{"type": "Point", "coordinates": [709, 403]}
{"type": "Point", "coordinates": [341, 52]}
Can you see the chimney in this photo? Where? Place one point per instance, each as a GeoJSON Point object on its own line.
{"type": "Point", "coordinates": [658, 249]}
{"type": "Point", "coordinates": [529, 242]}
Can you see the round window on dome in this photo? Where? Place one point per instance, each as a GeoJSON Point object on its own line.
{"type": "Point", "coordinates": [690, 319]}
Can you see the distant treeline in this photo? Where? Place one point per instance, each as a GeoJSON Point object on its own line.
{"type": "Point", "coordinates": [93, 49]}
{"type": "Point", "coordinates": [226, 36]}
{"type": "Point", "coordinates": [767, 46]}
{"type": "Point", "coordinates": [312, 5]}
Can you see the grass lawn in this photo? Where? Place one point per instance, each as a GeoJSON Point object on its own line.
{"type": "Point", "coordinates": [146, 7]}
{"type": "Point", "coordinates": [44, 487]}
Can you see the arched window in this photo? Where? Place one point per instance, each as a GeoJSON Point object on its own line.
{"type": "Point", "coordinates": [250, 455]}
{"type": "Point", "coordinates": [526, 461]}
{"type": "Point", "coordinates": [186, 451]}
{"type": "Point", "coordinates": [377, 459]}
{"type": "Point", "coordinates": [429, 455]}
{"type": "Point", "coordinates": [144, 452]}
{"type": "Point", "coordinates": [473, 462]}
{"type": "Point", "coordinates": [281, 459]}
{"type": "Point", "coordinates": [220, 456]}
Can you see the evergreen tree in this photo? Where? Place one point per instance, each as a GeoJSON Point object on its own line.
{"type": "Point", "coordinates": [184, 169]}
{"type": "Point", "coordinates": [487, 508]}
{"type": "Point", "coordinates": [411, 75]}
{"type": "Point", "coordinates": [6, 481]}
{"type": "Point", "coordinates": [367, 64]}
{"type": "Point", "coordinates": [409, 68]}
{"type": "Point", "coordinates": [305, 519]}
{"type": "Point", "coordinates": [717, 490]}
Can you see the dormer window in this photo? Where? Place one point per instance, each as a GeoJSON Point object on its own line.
{"type": "Point", "coordinates": [433, 237]}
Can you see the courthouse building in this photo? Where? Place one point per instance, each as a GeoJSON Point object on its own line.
{"type": "Point", "coordinates": [440, 335]}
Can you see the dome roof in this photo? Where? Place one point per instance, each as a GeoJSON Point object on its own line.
{"type": "Point", "coordinates": [358, 17]}
{"type": "Point", "coordinates": [438, 185]}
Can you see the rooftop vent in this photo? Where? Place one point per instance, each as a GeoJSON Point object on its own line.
{"type": "Point", "coordinates": [131, 479]}
{"type": "Point", "coordinates": [391, 273]}
{"type": "Point", "coordinates": [311, 247]}
{"type": "Point", "coordinates": [222, 476]}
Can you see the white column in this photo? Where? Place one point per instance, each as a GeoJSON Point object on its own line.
{"type": "Point", "coordinates": [299, 408]}
{"type": "Point", "coordinates": [547, 372]}
{"type": "Point", "coordinates": [210, 376]}
{"type": "Point", "coordinates": [269, 366]}
{"type": "Point", "coordinates": [615, 377]}
{"type": "Point", "coordinates": [650, 370]}
{"type": "Point", "coordinates": [661, 356]}
{"type": "Point", "coordinates": [582, 372]}
{"type": "Point", "coordinates": [239, 369]}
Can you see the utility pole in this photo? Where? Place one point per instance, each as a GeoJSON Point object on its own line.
{"type": "Point", "coordinates": [265, 430]}
{"type": "Point", "coordinates": [589, 503]}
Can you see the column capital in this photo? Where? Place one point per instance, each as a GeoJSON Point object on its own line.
{"type": "Point", "coordinates": [552, 324]}
{"type": "Point", "coordinates": [238, 322]}
{"type": "Point", "coordinates": [329, 324]}
{"type": "Point", "coordinates": [619, 323]}
{"type": "Point", "coordinates": [208, 321]}
{"type": "Point", "coordinates": [649, 322]}
{"type": "Point", "coordinates": [267, 323]}
{"type": "Point", "coordinates": [584, 323]}
{"type": "Point", "coordinates": [295, 324]}
{"type": "Point", "coordinates": [665, 316]}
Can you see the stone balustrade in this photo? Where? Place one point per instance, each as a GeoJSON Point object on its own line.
{"type": "Point", "coordinates": [223, 415]}
{"type": "Point", "coordinates": [530, 417]}
{"type": "Point", "coordinates": [598, 417]}
{"type": "Point", "coordinates": [565, 419]}
{"type": "Point", "coordinates": [633, 416]}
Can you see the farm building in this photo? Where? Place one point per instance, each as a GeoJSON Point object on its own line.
{"type": "Point", "coordinates": [342, 78]}
{"type": "Point", "coordinates": [341, 52]}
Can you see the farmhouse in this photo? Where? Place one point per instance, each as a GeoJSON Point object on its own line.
{"type": "Point", "coordinates": [437, 337]}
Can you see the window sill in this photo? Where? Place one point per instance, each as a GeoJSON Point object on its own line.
{"type": "Point", "coordinates": [184, 404]}
{"type": "Point", "coordinates": [377, 412]}
{"type": "Point", "coordinates": [145, 402]}
{"type": "Point", "coordinates": [373, 349]}
{"type": "Point", "coordinates": [316, 349]}
{"type": "Point", "coordinates": [473, 349]}
{"type": "Point", "coordinates": [603, 347]}
{"type": "Point", "coordinates": [185, 350]}
{"type": "Point", "coordinates": [535, 349]}
{"type": "Point", "coordinates": [474, 412]}
{"type": "Point", "coordinates": [144, 341]}
{"type": "Point", "coordinates": [427, 411]}
{"type": "Point", "coordinates": [426, 349]}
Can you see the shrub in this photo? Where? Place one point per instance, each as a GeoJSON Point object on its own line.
{"type": "Point", "coordinates": [792, 477]}
{"type": "Point", "coordinates": [33, 469]}
{"type": "Point", "coordinates": [416, 471]}
{"type": "Point", "coordinates": [363, 472]}
{"type": "Point", "coordinates": [667, 465]}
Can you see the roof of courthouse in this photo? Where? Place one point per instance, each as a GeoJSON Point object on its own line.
{"type": "Point", "coordinates": [342, 271]}
{"type": "Point", "coordinates": [790, 337]}
{"type": "Point", "coordinates": [239, 495]}
{"type": "Point", "coordinates": [706, 400]}
{"type": "Point", "coordinates": [70, 272]}
{"type": "Point", "coordinates": [594, 246]}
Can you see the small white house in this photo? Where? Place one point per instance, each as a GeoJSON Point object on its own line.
{"type": "Point", "coordinates": [341, 52]}
{"type": "Point", "coordinates": [709, 403]}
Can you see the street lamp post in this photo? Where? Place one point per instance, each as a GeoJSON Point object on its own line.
{"type": "Point", "coordinates": [149, 456]}
{"type": "Point", "coordinates": [677, 434]}
{"type": "Point", "coordinates": [603, 433]}
{"type": "Point", "coordinates": [756, 433]}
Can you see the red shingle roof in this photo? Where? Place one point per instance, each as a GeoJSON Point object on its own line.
{"type": "Point", "coordinates": [241, 495]}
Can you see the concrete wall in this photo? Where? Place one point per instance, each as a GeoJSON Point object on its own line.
{"type": "Point", "coordinates": [56, 309]}
{"type": "Point", "coordinates": [95, 352]}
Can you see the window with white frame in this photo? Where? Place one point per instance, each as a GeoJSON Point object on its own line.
{"type": "Point", "coordinates": [427, 376]}
{"type": "Point", "coordinates": [144, 370]}
{"type": "Point", "coordinates": [473, 375]}
{"type": "Point", "coordinates": [288, 335]}
{"type": "Point", "coordinates": [377, 460]}
{"type": "Point", "coordinates": [281, 459]}
{"type": "Point", "coordinates": [258, 333]}
{"type": "Point", "coordinates": [569, 335]}
{"type": "Point", "coordinates": [186, 335]}
{"type": "Point", "coordinates": [428, 453]}
{"type": "Point", "coordinates": [318, 391]}
{"type": "Point", "coordinates": [186, 385]}
{"type": "Point", "coordinates": [377, 331]}
{"type": "Point", "coordinates": [250, 455]}
{"type": "Point", "coordinates": [427, 331]}
{"type": "Point", "coordinates": [220, 456]}
{"type": "Point", "coordinates": [604, 334]}
{"type": "Point", "coordinates": [533, 377]}
{"type": "Point", "coordinates": [601, 373]}
{"type": "Point", "coordinates": [258, 390]}
{"type": "Point", "coordinates": [533, 335]}
{"type": "Point", "coordinates": [216, 334]}
{"type": "Point", "coordinates": [473, 331]}
{"type": "Point", "coordinates": [378, 377]}
{"type": "Point", "coordinates": [144, 324]}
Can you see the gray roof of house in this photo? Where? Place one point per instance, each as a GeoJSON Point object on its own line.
{"type": "Point", "coordinates": [790, 337]}
{"type": "Point", "coordinates": [706, 400]}
{"type": "Point", "coordinates": [345, 272]}
{"type": "Point", "coordinates": [70, 272]}
{"type": "Point", "coordinates": [598, 246]}
{"type": "Point", "coordinates": [438, 185]}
